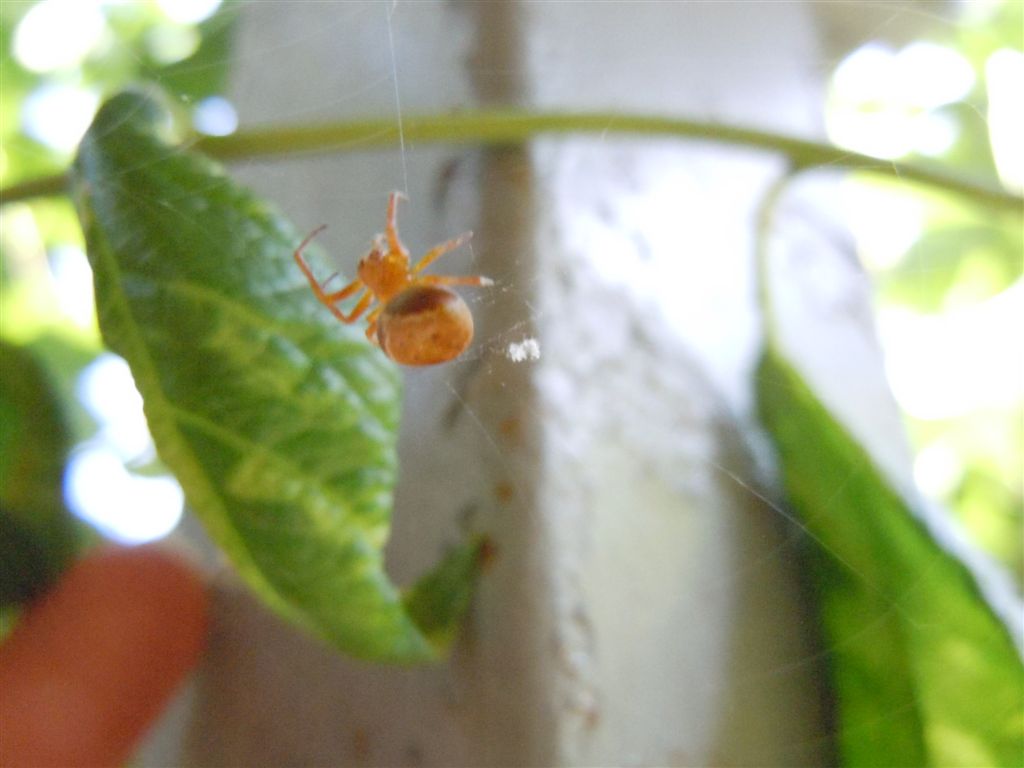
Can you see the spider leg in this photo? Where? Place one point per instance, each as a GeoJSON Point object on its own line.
{"type": "Point", "coordinates": [440, 250]}
{"type": "Point", "coordinates": [371, 324]}
{"type": "Point", "coordinates": [344, 293]}
{"type": "Point", "coordinates": [354, 315]}
{"type": "Point", "coordinates": [361, 306]}
{"type": "Point", "coordinates": [302, 262]}
{"type": "Point", "coordinates": [391, 230]}
{"type": "Point", "coordinates": [318, 290]}
{"type": "Point", "coordinates": [309, 239]}
{"type": "Point", "coordinates": [330, 299]}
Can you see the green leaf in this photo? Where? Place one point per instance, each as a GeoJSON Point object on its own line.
{"type": "Point", "coordinates": [279, 422]}
{"type": "Point", "coordinates": [37, 534]}
{"type": "Point", "coordinates": [924, 672]}
{"type": "Point", "coordinates": [439, 600]}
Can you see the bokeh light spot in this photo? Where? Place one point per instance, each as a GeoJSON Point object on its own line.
{"type": "Point", "coordinates": [1004, 79]}
{"type": "Point", "coordinates": [124, 507]}
{"type": "Point", "coordinates": [57, 34]}
{"type": "Point", "coordinates": [107, 390]}
{"type": "Point", "coordinates": [72, 283]}
{"type": "Point", "coordinates": [58, 115]}
{"type": "Point", "coordinates": [188, 11]}
{"type": "Point", "coordinates": [883, 102]}
{"type": "Point", "coordinates": [168, 44]}
{"type": "Point", "coordinates": [215, 116]}
{"type": "Point", "coordinates": [98, 486]}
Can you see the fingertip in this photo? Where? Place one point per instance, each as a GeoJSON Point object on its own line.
{"type": "Point", "coordinates": [92, 663]}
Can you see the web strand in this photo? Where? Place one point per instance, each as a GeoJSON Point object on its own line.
{"type": "Point", "coordinates": [398, 102]}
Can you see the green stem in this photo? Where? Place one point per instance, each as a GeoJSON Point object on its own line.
{"type": "Point", "coordinates": [762, 256]}
{"type": "Point", "coordinates": [498, 127]}
{"type": "Point", "coordinates": [46, 186]}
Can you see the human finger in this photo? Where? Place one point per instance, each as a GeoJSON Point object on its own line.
{"type": "Point", "coordinates": [93, 662]}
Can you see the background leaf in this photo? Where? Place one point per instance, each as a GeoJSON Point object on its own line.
{"type": "Point", "coordinates": [924, 672]}
{"type": "Point", "coordinates": [37, 534]}
{"type": "Point", "coordinates": [279, 422]}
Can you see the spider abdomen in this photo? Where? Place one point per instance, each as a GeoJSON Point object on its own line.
{"type": "Point", "coordinates": [424, 325]}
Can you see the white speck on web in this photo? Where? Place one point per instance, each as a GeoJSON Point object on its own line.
{"type": "Point", "coordinates": [527, 349]}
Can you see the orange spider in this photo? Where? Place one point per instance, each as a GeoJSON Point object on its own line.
{"type": "Point", "coordinates": [419, 321]}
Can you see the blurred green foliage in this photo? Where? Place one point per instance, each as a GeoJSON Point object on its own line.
{"type": "Point", "coordinates": [966, 255]}
{"type": "Point", "coordinates": [129, 50]}
{"type": "Point", "coordinates": [37, 536]}
{"type": "Point", "coordinates": [133, 47]}
{"type": "Point", "coordinates": [45, 306]}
